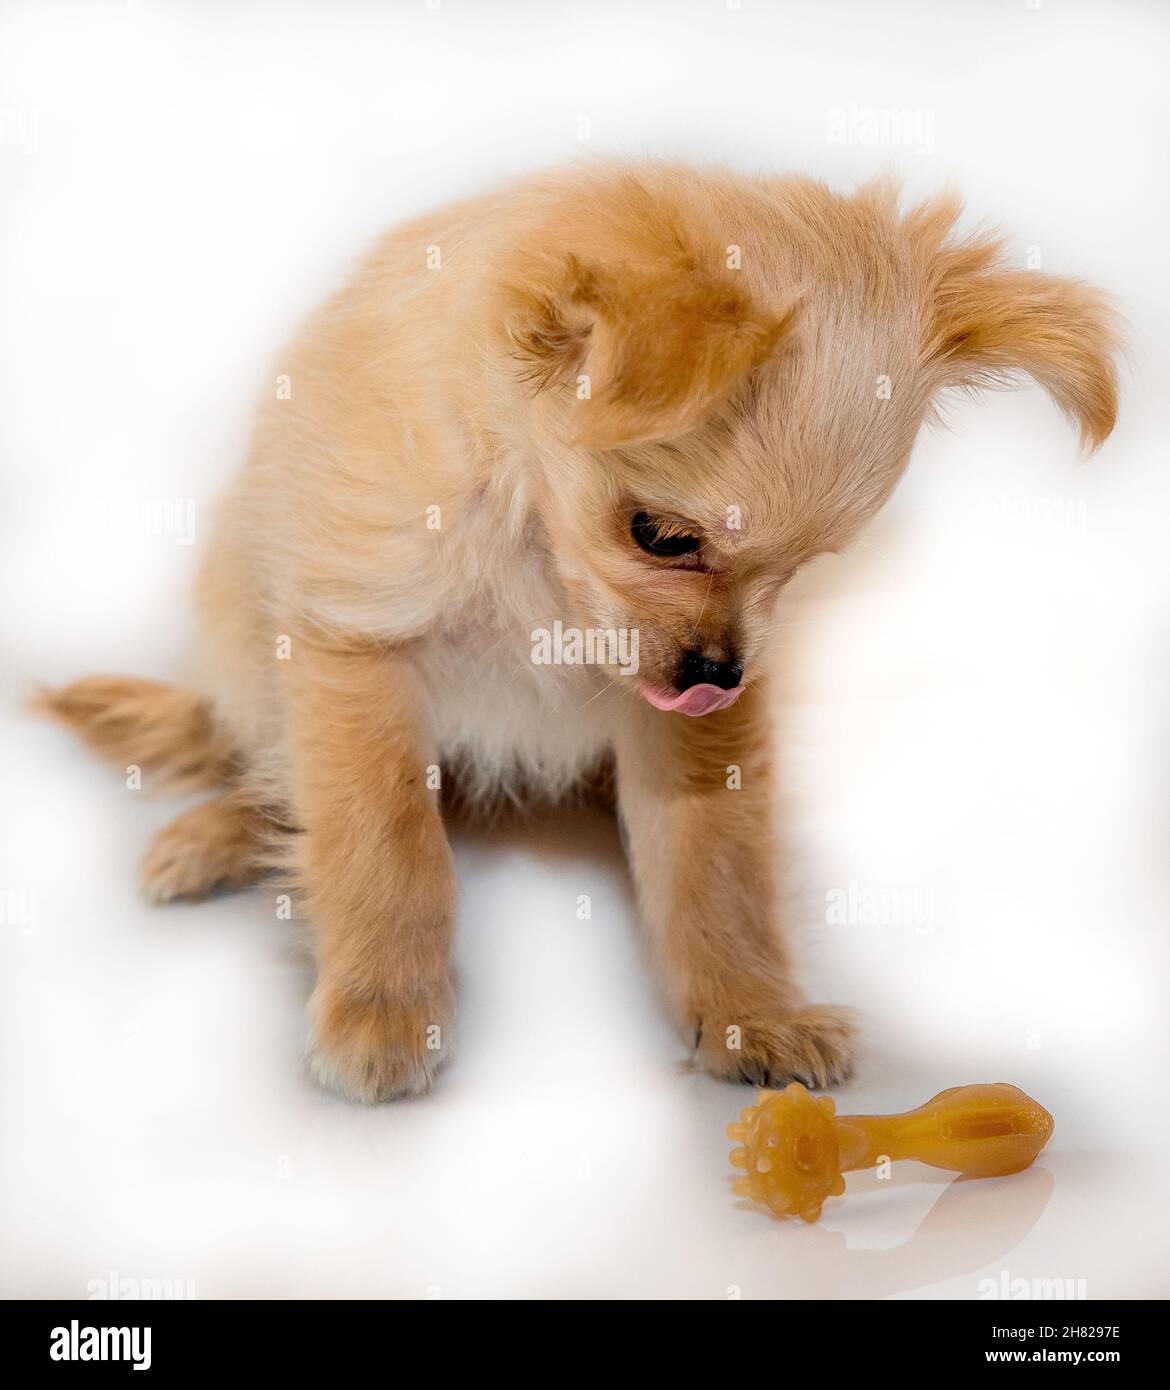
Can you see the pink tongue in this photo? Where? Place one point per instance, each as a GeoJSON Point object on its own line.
{"type": "Point", "coordinates": [699, 699]}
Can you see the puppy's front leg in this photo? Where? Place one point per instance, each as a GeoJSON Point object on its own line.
{"type": "Point", "coordinates": [695, 803]}
{"type": "Point", "coordinates": [376, 871]}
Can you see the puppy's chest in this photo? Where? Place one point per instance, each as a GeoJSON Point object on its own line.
{"type": "Point", "coordinates": [509, 722]}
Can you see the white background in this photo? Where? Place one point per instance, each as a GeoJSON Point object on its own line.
{"type": "Point", "coordinates": [974, 710]}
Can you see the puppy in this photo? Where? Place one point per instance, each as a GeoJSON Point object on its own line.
{"type": "Point", "coordinates": [624, 403]}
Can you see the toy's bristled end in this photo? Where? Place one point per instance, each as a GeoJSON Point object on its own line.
{"type": "Point", "coordinates": [787, 1148]}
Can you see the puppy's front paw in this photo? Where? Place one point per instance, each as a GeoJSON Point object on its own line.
{"type": "Point", "coordinates": [376, 1047]}
{"type": "Point", "coordinates": [816, 1044]}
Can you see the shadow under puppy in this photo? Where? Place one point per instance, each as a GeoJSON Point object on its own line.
{"type": "Point", "coordinates": [628, 401]}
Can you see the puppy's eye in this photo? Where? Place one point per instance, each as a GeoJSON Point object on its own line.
{"type": "Point", "coordinates": [659, 536]}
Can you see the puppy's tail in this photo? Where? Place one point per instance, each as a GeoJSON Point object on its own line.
{"type": "Point", "coordinates": [157, 727]}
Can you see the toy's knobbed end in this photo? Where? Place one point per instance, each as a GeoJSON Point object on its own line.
{"type": "Point", "coordinates": [789, 1152]}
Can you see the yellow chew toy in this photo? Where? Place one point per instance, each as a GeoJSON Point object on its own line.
{"type": "Point", "coordinates": [796, 1147]}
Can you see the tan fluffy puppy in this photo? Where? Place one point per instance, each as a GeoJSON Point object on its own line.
{"type": "Point", "coordinates": [626, 400]}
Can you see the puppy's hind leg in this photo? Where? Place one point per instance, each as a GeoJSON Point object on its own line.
{"type": "Point", "coordinates": [230, 842]}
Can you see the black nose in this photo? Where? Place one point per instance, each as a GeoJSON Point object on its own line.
{"type": "Point", "coordinates": [697, 669]}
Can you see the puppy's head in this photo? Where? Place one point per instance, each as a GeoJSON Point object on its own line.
{"type": "Point", "coordinates": [727, 378]}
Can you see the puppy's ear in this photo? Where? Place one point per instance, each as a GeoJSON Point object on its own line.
{"type": "Point", "coordinates": [991, 323]}
{"type": "Point", "coordinates": [643, 354]}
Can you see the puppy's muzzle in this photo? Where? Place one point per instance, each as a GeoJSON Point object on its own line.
{"type": "Point", "coordinates": [701, 686]}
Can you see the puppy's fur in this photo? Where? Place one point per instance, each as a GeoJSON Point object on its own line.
{"type": "Point", "coordinates": [472, 425]}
